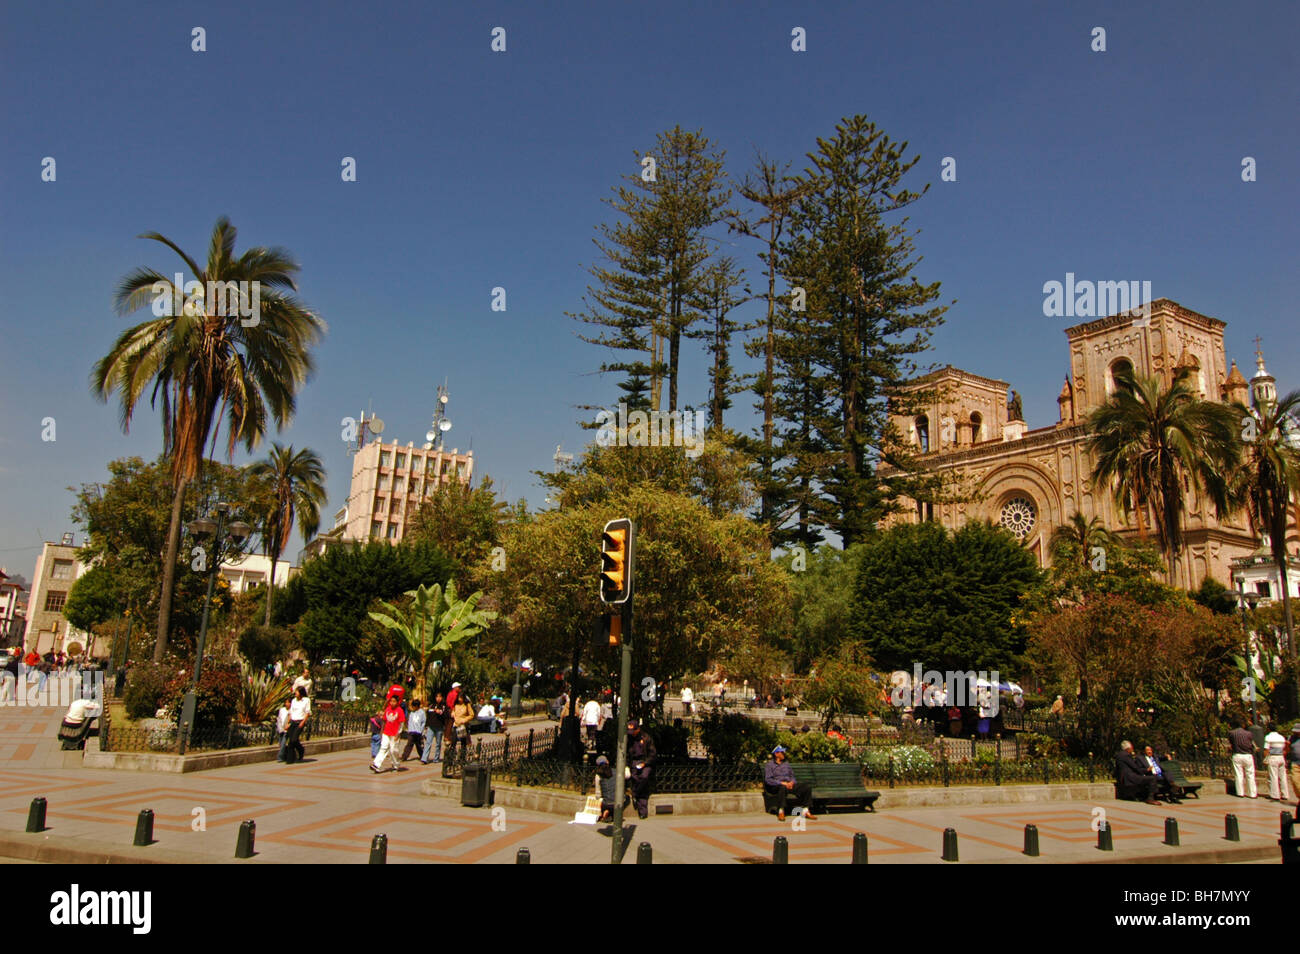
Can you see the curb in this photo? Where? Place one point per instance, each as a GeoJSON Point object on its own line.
{"type": "Point", "coordinates": [44, 848]}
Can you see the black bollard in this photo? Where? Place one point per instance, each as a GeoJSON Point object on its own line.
{"type": "Point", "coordinates": [780, 851]}
{"type": "Point", "coordinates": [1171, 832]}
{"type": "Point", "coordinates": [244, 843]}
{"type": "Point", "coordinates": [644, 854]}
{"type": "Point", "coordinates": [379, 850]}
{"type": "Point", "coordinates": [950, 844]}
{"type": "Point", "coordinates": [522, 857]}
{"type": "Point", "coordinates": [1105, 841]}
{"type": "Point", "coordinates": [36, 814]}
{"type": "Point", "coordinates": [1231, 830]}
{"type": "Point", "coordinates": [144, 828]}
{"type": "Point", "coordinates": [859, 848]}
{"type": "Point", "coordinates": [1289, 844]}
{"type": "Point", "coordinates": [1031, 841]}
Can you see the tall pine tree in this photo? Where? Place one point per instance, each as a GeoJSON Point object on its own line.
{"type": "Point", "coordinates": [655, 262]}
{"type": "Point", "coordinates": [867, 316]}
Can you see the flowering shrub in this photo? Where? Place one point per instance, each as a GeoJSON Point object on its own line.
{"type": "Point", "coordinates": [218, 697]}
{"type": "Point", "coordinates": [907, 758]}
{"type": "Point", "coordinates": [813, 747]}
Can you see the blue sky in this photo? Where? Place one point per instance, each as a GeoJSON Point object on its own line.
{"type": "Point", "coordinates": [479, 169]}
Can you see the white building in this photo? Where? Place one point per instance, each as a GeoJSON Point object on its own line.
{"type": "Point", "coordinates": [252, 571]}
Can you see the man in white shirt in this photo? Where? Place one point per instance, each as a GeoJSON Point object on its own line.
{"type": "Point", "coordinates": [489, 715]}
{"type": "Point", "coordinates": [591, 718]}
{"type": "Point", "coordinates": [299, 712]}
{"type": "Point", "coordinates": [303, 682]}
{"type": "Point", "coordinates": [688, 700]}
{"type": "Point", "coordinates": [1275, 762]}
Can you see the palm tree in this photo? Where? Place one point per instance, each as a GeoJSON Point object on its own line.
{"type": "Point", "coordinates": [1082, 535]}
{"type": "Point", "coordinates": [204, 365]}
{"type": "Point", "coordinates": [433, 623]}
{"type": "Point", "coordinates": [1153, 444]}
{"type": "Point", "coordinates": [293, 486]}
{"type": "Point", "coordinates": [1267, 481]}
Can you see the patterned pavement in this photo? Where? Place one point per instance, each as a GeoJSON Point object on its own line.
{"type": "Point", "coordinates": [327, 809]}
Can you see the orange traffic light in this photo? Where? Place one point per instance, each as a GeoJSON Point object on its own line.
{"type": "Point", "coordinates": [616, 561]}
{"type": "Point", "coordinates": [615, 626]}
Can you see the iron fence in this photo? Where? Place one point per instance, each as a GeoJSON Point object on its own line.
{"type": "Point", "coordinates": [323, 723]}
{"type": "Point", "coordinates": [497, 751]}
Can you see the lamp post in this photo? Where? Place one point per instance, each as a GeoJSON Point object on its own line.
{"type": "Point", "coordinates": [1252, 599]}
{"type": "Point", "coordinates": [201, 528]}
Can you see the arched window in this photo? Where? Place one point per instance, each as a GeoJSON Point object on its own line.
{"type": "Point", "coordinates": [1118, 368]}
{"type": "Point", "coordinates": [976, 426]}
{"type": "Point", "coordinates": [923, 433]}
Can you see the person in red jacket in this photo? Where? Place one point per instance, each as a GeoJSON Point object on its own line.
{"type": "Point", "coordinates": [393, 717]}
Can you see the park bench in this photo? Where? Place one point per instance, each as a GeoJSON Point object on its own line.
{"type": "Point", "coordinates": [1174, 773]}
{"type": "Point", "coordinates": [833, 783]}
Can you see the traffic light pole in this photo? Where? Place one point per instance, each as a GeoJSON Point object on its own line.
{"type": "Point", "coordinates": [620, 759]}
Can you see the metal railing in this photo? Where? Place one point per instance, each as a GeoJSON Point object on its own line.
{"type": "Point", "coordinates": [323, 723]}
{"type": "Point", "coordinates": [497, 751]}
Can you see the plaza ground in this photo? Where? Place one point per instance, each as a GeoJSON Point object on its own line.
{"type": "Point", "coordinates": [326, 811]}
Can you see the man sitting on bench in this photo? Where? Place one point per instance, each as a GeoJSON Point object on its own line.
{"type": "Point", "coordinates": [778, 774]}
{"type": "Point", "coordinates": [1133, 780]}
{"type": "Point", "coordinates": [1163, 785]}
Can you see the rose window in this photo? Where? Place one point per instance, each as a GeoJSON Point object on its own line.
{"type": "Point", "coordinates": [1018, 516]}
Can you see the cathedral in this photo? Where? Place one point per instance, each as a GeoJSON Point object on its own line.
{"type": "Point", "coordinates": [965, 430]}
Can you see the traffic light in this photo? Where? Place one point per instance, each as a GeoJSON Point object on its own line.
{"type": "Point", "coordinates": [614, 629]}
{"type": "Point", "coordinates": [616, 543]}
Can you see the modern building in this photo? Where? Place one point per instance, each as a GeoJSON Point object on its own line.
{"type": "Point", "coordinates": [966, 433]}
{"type": "Point", "coordinates": [57, 568]}
{"type": "Point", "coordinates": [389, 482]}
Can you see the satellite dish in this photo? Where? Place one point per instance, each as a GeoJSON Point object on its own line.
{"type": "Point", "coordinates": [431, 435]}
{"type": "Point", "coordinates": [444, 425]}
{"type": "Point", "coordinates": [442, 398]}
{"type": "Point", "coordinates": [376, 426]}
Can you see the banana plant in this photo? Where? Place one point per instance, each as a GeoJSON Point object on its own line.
{"type": "Point", "coordinates": [432, 624]}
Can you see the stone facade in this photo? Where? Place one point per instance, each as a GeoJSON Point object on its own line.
{"type": "Point", "coordinates": [1033, 481]}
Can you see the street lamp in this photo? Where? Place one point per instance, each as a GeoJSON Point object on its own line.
{"type": "Point", "coordinates": [1251, 599]}
{"type": "Point", "coordinates": [201, 528]}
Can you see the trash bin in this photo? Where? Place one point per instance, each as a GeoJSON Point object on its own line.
{"type": "Point", "coordinates": [475, 784]}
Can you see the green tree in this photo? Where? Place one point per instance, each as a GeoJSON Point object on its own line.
{"type": "Point", "coordinates": [463, 522]}
{"type": "Point", "coordinates": [945, 600]}
{"type": "Point", "coordinates": [1266, 481]}
{"type": "Point", "coordinates": [204, 362]}
{"type": "Point", "coordinates": [773, 192]}
{"type": "Point", "coordinates": [339, 586]}
{"type": "Point", "coordinates": [718, 296]}
{"type": "Point", "coordinates": [823, 592]}
{"type": "Point", "coordinates": [291, 486]}
{"type": "Point", "coordinates": [703, 583]}
{"type": "Point", "coordinates": [842, 683]}
{"type": "Point", "coordinates": [1079, 538]}
{"type": "Point", "coordinates": [126, 524]}
{"type": "Point", "coordinates": [655, 259]}
{"type": "Point", "coordinates": [866, 317]}
{"type": "Point", "coordinates": [431, 624]}
{"type": "Point", "coordinates": [1149, 444]}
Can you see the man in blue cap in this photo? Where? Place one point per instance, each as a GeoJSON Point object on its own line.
{"type": "Point", "coordinates": [779, 774]}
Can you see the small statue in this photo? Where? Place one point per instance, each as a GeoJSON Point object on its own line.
{"type": "Point", "coordinates": [1014, 411]}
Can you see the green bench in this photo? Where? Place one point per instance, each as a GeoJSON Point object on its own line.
{"type": "Point", "coordinates": [1177, 780]}
{"type": "Point", "coordinates": [833, 783]}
